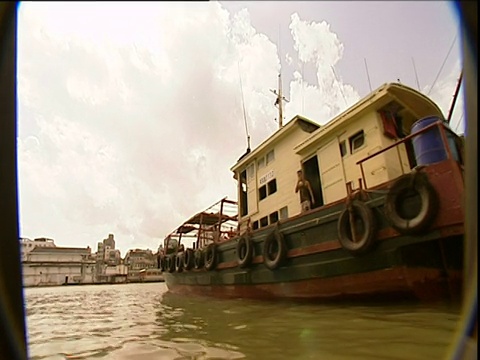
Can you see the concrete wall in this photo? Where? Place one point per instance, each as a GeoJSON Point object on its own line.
{"type": "Point", "coordinates": [37, 274]}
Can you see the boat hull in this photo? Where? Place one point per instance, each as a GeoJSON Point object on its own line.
{"type": "Point", "coordinates": [399, 283]}
{"type": "Point", "coordinates": [425, 265]}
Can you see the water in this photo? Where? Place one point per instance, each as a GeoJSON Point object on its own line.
{"type": "Point", "coordinates": [144, 321]}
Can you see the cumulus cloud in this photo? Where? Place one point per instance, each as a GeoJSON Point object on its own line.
{"type": "Point", "coordinates": [316, 44]}
{"type": "Point", "coordinates": [134, 133]}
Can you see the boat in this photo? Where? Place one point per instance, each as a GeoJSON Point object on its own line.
{"type": "Point", "coordinates": [385, 221]}
{"type": "Point", "coordinates": [150, 275]}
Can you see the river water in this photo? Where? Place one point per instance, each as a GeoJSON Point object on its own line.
{"type": "Point", "coordinates": [145, 321]}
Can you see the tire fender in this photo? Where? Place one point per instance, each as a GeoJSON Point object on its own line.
{"type": "Point", "coordinates": [210, 258]}
{"type": "Point", "coordinates": [244, 251]}
{"type": "Point", "coordinates": [274, 250]}
{"type": "Point", "coordinates": [418, 184]}
{"type": "Point", "coordinates": [361, 213]}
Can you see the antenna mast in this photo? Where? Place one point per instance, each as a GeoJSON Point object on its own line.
{"type": "Point", "coordinates": [279, 101]}
{"type": "Point", "coordinates": [441, 67]}
{"type": "Point", "coordinates": [368, 75]}
{"type": "Point", "coordinates": [280, 97]}
{"type": "Point", "coordinates": [243, 105]}
{"type": "Point", "coordinates": [416, 76]}
{"type": "Point", "coordinates": [457, 89]}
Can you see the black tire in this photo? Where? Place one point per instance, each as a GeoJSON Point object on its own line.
{"type": "Point", "coordinates": [179, 262]}
{"type": "Point", "coordinates": [188, 259]}
{"type": "Point", "coordinates": [162, 262]}
{"type": "Point", "coordinates": [198, 259]}
{"type": "Point", "coordinates": [363, 216]}
{"type": "Point", "coordinates": [210, 258]}
{"type": "Point", "coordinates": [411, 204]}
{"type": "Point", "coordinates": [170, 263]}
{"type": "Point", "coordinates": [244, 251]}
{"type": "Point", "coordinates": [274, 250]}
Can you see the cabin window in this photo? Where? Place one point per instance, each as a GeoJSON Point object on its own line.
{"type": "Point", "coordinates": [268, 189]}
{"type": "Point", "coordinates": [243, 193]}
{"type": "Point", "coordinates": [272, 187]}
{"type": "Point", "coordinates": [273, 217]}
{"type": "Point", "coordinates": [343, 148]}
{"type": "Point", "coordinates": [284, 212]}
{"type": "Point", "coordinates": [251, 171]}
{"type": "Point", "coordinates": [264, 221]}
{"type": "Point", "coordinates": [255, 225]}
{"type": "Point", "coordinates": [262, 192]}
{"type": "Point", "coordinates": [389, 124]}
{"type": "Point", "coordinates": [270, 156]}
{"type": "Point", "coordinates": [356, 141]}
{"type": "Point", "coordinates": [261, 162]}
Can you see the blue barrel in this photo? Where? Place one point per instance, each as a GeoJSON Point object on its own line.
{"type": "Point", "coordinates": [428, 146]}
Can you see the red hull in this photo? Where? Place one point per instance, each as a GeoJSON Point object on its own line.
{"type": "Point", "coordinates": [415, 283]}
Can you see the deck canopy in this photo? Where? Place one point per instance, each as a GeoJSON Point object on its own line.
{"type": "Point", "coordinates": [217, 222]}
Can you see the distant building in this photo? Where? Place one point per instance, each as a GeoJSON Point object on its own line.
{"type": "Point", "coordinates": [53, 265]}
{"type": "Point", "coordinates": [108, 266]}
{"type": "Point", "coordinates": [110, 241]}
{"type": "Point", "coordinates": [116, 273]}
{"type": "Point", "coordinates": [100, 251]}
{"type": "Point", "coordinates": [112, 257]}
{"type": "Point", "coordinates": [27, 245]}
{"type": "Point", "coordinates": [137, 260]}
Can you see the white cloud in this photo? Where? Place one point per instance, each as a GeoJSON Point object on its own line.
{"type": "Point", "coordinates": [133, 134]}
{"type": "Point", "coordinates": [316, 44]}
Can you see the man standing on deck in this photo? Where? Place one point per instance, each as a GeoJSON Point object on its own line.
{"type": "Point", "coordinates": [306, 193]}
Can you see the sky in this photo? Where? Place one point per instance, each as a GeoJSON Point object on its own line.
{"type": "Point", "coordinates": [130, 115]}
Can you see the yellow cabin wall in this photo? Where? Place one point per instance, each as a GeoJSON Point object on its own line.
{"type": "Point", "coordinates": [372, 143]}
{"type": "Point", "coordinates": [375, 169]}
{"type": "Point", "coordinates": [284, 168]}
{"type": "Point", "coordinates": [396, 158]}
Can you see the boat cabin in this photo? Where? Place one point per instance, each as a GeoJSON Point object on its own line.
{"type": "Point", "coordinates": [329, 155]}
{"type": "Point", "coordinates": [267, 176]}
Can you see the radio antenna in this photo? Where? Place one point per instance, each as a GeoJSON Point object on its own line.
{"type": "Point", "coordinates": [416, 76]}
{"type": "Point", "coordinates": [280, 98]}
{"type": "Point", "coordinates": [244, 112]}
{"type": "Point", "coordinates": [339, 86]}
{"type": "Point", "coordinates": [368, 75]}
{"type": "Point", "coordinates": [441, 67]}
{"type": "Point", "coordinates": [279, 101]}
{"type": "Point", "coordinates": [455, 95]}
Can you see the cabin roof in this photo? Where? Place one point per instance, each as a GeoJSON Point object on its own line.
{"type": "Point", "coordinates": [202, 218]}
{"type": "Point", "coordinates": [419, 104]}
{"type": "Point", "coordinates": [297, 120]}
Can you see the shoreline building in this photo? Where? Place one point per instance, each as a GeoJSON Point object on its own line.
{"type": "Point", "coordinates": [27, 245]}
{"type": "Point", "coordinates": [108, 265]}
{"type": "Point", "coordinates": [45, 264]}
{"type": "Point", "coordinates": [137, 260]}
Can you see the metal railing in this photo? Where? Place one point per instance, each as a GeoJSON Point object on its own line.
{"type": "Point", "coordinates": [441, 126]}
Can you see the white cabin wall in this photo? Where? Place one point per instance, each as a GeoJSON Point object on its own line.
{"type": "Point", "coordinates": [372, 143]}
{"type": "Point", "coordinates": [284, 169]}
{"type": "Point", "coordinates": [396, 158]}
{"type": "Point", "coordinates": [381, 168]}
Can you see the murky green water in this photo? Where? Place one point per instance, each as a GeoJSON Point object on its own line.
{"type": "Point", "coordinates": [144, 321]}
